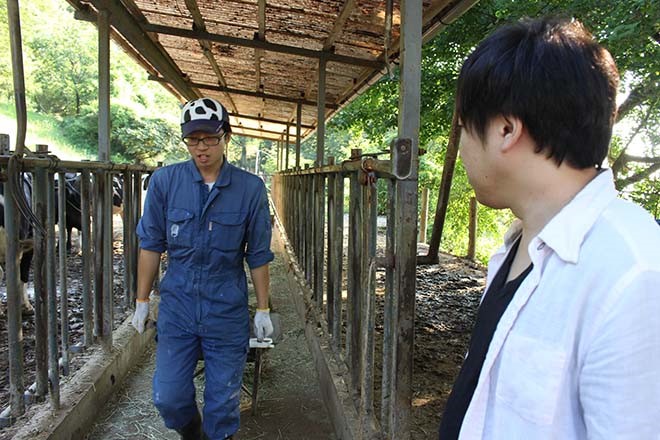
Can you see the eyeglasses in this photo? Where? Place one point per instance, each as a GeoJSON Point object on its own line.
{"type": "Point", "coordinates": [210, 141]}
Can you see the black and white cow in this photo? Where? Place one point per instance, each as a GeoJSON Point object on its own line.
{"type": "Point", "coordinates": [26, 242]}
{"type": "Point", "coordinates": [74, 202]}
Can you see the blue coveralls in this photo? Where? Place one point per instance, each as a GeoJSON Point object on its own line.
{"type": "Point", "coordinates": [204, 304]}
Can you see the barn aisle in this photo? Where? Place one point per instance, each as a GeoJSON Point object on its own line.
{"type": "Point", "coordinates": [290, 404]}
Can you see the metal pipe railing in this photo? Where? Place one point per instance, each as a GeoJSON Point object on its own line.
{"type": "Point", "coordinates": [53, 350]}
{"type": "Point", "coordinates": [310, 205]}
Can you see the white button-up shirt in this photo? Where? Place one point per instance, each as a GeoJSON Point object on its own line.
{"type": "Point", "coordinates": [576, 355]}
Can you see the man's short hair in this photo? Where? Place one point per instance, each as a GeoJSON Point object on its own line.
{"type": "Point", "coordinates": [552, 75]}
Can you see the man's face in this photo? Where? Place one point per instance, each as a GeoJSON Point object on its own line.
{"type": "Point", "coordinates": [207, 150]}
{"type": "Point", "coordinates": [479, 158]}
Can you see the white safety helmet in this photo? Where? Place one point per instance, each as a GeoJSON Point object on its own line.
{"type": "Point", "coordinates": [204, 114]}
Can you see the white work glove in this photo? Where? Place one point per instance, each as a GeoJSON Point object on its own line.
{"type": "Point", "coordinates": [263, 327]}
{"type": "Point", "coordinates": [140, 316]}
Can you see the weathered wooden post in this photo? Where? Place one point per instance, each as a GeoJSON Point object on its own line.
{"type": "Point", "coordinates": [64, 294]}
{"type": "Point", "coordinates": [424, 215]}
{"type": "Point", "coordinates": [86, 244]}
{"type": "Point", "coordinates": [472, 241]}
{"type": "Point", "coordinates": [354, 275]}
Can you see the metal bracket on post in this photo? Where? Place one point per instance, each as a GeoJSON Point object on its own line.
{"type": "Point", "coordinates": [401, 151]}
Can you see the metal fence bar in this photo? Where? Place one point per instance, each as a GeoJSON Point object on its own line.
{"type": "Point", "coordinates": [88, 319]}
{"type": "Point", "coordinates": [309, 232]}
{"type": "Point", "coordinates": [40, 197]}
{"type": "Point", "coordinates": [319, 245]}
{"type": "Point", "coordinates": [14, 329]}
{"type": "Point", "coordinates": [136, 213]}
{"type": "Point", "coordinates": [332, 237]}
{"type": "Point", "coordinates": [369, 204]}
{"type": "Point", "coordinates": [64, 296]}
{"type": "Point", "coordinates": [108, 303]}
{"type": "Point", "coordinates": [97, 232]}
{"type": "Point", "coordinates": [54, 163]}
{"type": "Point", "coordinates": [336, 254]}
{"type": "Point", "coordinates": [354, 275]}
{"type": "Point", "coordinates": [306, 190]}
{"type": "Point", "coordinates": [388, 313]}
{"type": "Point", "coordinates": [127, 195]}
{"type": "Point", "coordinates": [53, 355]}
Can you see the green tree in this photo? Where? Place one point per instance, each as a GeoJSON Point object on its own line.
{"type": "Point", "coordinates": [65, 72]}
{"type": "Point", "coordinates": [132, 138]}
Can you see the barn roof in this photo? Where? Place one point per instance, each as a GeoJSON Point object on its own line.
{"type": "Point", "coordinates": [261, 57]}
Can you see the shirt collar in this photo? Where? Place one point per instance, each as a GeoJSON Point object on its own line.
{"type": "Point", "coordinates": [224, 178]}
{"type": "Point", "coordinates": [566, 231]}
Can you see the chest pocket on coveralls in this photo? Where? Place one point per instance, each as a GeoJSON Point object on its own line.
{"type": "Point", "coordinates": [179, 227]}
{"type": "Point", "coordinates": [228, 230]}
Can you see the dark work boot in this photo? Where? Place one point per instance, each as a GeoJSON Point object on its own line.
{"type": "Point", "coordinates": [193, 430]}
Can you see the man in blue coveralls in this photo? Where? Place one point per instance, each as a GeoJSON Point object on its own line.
{"type": "Point", "coordinates": [209, 216]}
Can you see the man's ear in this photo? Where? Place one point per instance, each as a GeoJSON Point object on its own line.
{"type": "Point", "coordinates": [510, 130]}
{"type": "Point", "coordinates": [227, 137]}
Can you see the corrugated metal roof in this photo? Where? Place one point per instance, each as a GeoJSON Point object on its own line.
{"type": "Point", "coordinates": [261, 57]}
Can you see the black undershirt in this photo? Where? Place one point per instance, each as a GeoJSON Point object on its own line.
{"type": "Point", "coordinates": [492, 307]}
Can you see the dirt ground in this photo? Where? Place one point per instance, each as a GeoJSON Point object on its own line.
{"type": "Point", "coordinates": [446, 302]}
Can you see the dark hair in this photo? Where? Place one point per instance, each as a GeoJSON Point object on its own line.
{"type": "Point", "coordinates": [552, 75]}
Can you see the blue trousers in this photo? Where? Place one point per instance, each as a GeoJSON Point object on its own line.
{"type": "Point", "coordinates": [177, 352]}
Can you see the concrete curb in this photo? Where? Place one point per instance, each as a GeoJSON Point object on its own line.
{"type": "Point", "coordinates": [84, 394]}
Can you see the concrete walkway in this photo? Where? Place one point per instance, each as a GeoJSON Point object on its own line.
{"type": "Point", "coordinates": [290, 406]}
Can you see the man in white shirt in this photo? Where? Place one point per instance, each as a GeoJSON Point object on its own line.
{"type": "Point", "coordinates": [567, 339]}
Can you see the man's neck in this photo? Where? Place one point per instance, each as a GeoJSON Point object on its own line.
{"type": "Point", "coordinates": [210, 175]}
{"type": "Point", "coordinates": [545, 196]}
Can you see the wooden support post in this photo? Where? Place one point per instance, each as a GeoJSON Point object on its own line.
{"type": "Point", "coordinates": [406, 218]}
{"type": "Point", "coordinates": [354, 276]}
{"type": "Point", "coordinates": [424, 215]}
{"type": "Point", "coordinates": [286, 154]}
{"type": "Point", "coordinates": [473, 229]}
{"type": "Point", "coordinates": [298, 133]}
{"type": "Point", "coordinates": [443, 194]}
{"type": "Point", "coordinates": [320, 114]}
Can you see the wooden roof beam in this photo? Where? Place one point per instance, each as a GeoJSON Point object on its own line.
{"type": "Point", "coordinates": [198, 24]}
{"type": "Point", "coordinates": [129, 28]}
{"type": "Point", "coordinates": [263, 119]}
{"type": "Point", "coordinates": [228, 90]}
{"type": "Point", "coordinates": [347, 8]}
{"type": "Point", "coordinates": [270, 47]}
{"type": "Point", "coordinates": [260, 130]}
{"type": "Point", "coordinates": [259, 53]}
{"type": "Point", "coordinates": [256, 136]}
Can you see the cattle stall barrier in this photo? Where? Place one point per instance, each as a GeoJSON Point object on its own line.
{"type": "Point", "coordinates": [314, 226]}
{"type": "Point", "coordinates": [53, 353]}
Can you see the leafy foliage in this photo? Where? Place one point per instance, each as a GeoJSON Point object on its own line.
{"type": "Point", "coordinates": [65, 77]}
{"type": "Point", "coordinates": [132, 138]}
